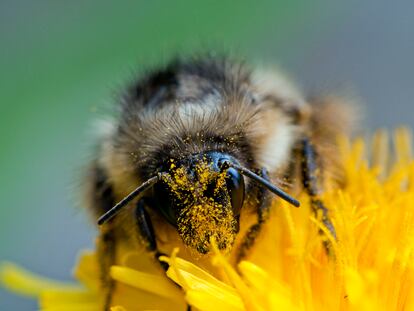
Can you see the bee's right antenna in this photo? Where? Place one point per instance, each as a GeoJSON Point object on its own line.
{"type": "Point", "coordinates": [143, 187]}
{"type": "Point", "coordinates": [226, 164]}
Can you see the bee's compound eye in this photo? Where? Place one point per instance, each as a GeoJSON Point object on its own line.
{"type": "Point", "coordinates": [235, 187]}
{"type": "Point", "coordinates": [163, 199]}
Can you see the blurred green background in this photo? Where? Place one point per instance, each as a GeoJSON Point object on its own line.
{"type": "Point", "coordinates": [61, 62]}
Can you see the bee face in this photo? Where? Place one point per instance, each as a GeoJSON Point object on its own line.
{"type": "Point", "coordinates": [201, 200]}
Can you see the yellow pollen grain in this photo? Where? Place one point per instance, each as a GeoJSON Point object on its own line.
{"type": "Point", "coordinates": [201, 217]}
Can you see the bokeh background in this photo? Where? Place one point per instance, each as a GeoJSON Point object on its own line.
{"type": "Point", "coordinates": [61, 62]}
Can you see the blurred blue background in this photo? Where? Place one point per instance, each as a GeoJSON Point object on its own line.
{"type": "Point", "coordinates": [61, 62]}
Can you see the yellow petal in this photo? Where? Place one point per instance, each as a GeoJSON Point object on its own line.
{"type": "Point", "coordinates": [147, 282]}
{"type": "Point", "coordinates": [201, 286]}
{"type": "Point", "coordinates": [27, 283]}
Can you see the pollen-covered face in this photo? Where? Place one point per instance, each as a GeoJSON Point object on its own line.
{"type": "Point", "coordinates": [202, 201]}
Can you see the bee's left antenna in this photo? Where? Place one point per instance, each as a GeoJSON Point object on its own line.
{"type": "Point", "coordinates": [143, 187]}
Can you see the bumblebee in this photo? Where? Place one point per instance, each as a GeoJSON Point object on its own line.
{"type": "Point", "coordinates": [198, 143]}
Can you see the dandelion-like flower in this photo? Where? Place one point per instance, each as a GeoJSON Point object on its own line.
{"type": "Point", "coordinates": [371, 266]}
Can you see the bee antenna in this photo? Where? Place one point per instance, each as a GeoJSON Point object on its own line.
{"type": "Point", "coordinates": [140, 189]}
{"type": "Point", "coordinates": [280, 193]}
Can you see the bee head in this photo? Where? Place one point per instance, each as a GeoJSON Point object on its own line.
{"type": "Point", "coordinates": [202, 198]}
{"type": "Point", "coordinates": [201, 195]}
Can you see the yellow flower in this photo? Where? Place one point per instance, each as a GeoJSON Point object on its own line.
{"type": "Point", "coordinates": [371, 266]}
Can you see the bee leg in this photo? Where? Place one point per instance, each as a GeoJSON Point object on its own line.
{"type": "Point", "coordinates": [262, 197]}
{"type": "Point", "coordinates": [311, 183]}
{"type": "Point", "coordinates": [106, 248]}
{"type": "Point", "coordinates": [146, 230]}
{"type": "Point", "coordinates": [101, 199]}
